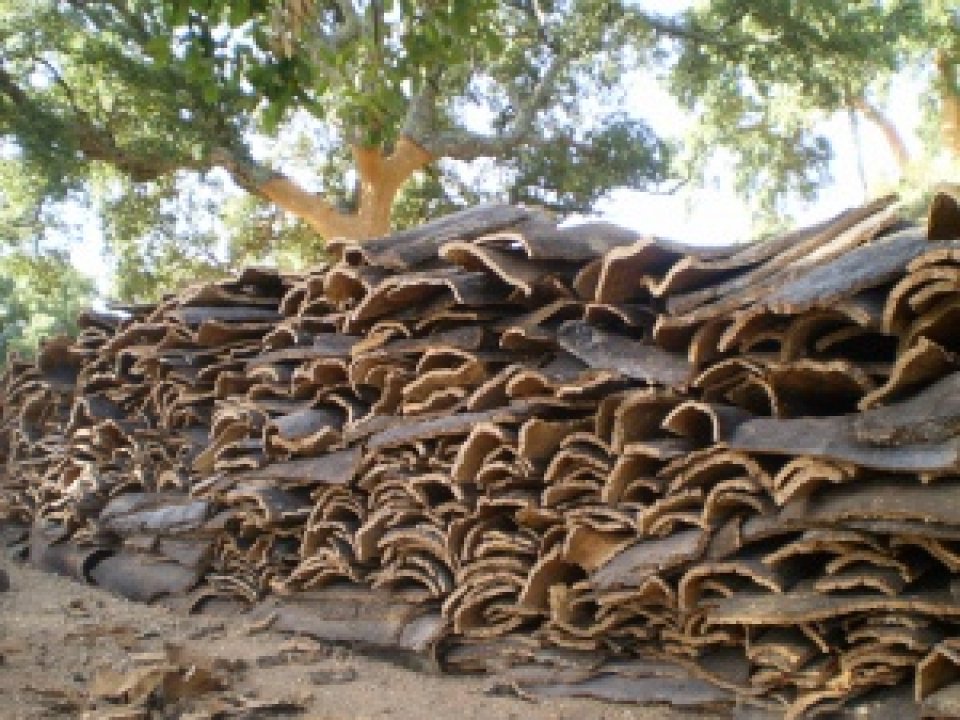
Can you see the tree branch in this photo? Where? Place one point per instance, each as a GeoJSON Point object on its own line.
{"type": "Point", "coordinates": [707, 36]}
{"type": "Point", "coordinates": [890, 133]}
{"type": "Point", "coordinates": [95, 143]}
{"type": "Point", "coordinates": [421, 119]}
{"type": "Point", "coordinates": [321, 215]}
{"type": "Point", "coordinates": [461, 144]}
{"type": "Point", "coordinates": [10, 88]}
{"type": "Point", "coordinates": [67, 90]}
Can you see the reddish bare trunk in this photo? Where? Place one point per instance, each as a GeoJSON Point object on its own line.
{"type": "Point", "coordinates": [381, 178]}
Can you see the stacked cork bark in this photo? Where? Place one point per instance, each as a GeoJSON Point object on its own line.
{"type": "Point", "coordinates": [589, 462]}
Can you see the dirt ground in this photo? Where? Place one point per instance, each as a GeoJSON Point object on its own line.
{"type": "Point", "coordinates": [59, 638]}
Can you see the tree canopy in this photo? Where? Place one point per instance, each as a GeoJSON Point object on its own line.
{"type": "Point", "coordinates": [340, 117]}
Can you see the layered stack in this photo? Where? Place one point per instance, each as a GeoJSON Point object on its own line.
{"type": "Point", "coordinates": [595, 463]}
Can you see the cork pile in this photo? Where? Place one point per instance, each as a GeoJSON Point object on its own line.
{"type": "Point", "coordinates": [585, 461]}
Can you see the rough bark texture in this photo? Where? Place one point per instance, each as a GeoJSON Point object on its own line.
{"type": "Point", "coordinates": [593, 463]}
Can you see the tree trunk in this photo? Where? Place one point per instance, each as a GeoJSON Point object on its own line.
{"type": "Point", "coordinates": [950, 103]}
{"type": "Point", "coordinates": [381, 178]}
{"type": "Point", "coordinates": [890, 133]}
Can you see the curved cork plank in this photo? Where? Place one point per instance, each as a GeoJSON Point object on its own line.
{"type": "Point", "coordinates": [705, 468]}
{"type": "Point", "coordinates": [848, 229]}
{"type": "Point", "coordinates": [632, 272]}
{"type": "Point", "coordinates": [735, 497]}
{"type": "Point", "coordinates": [637, 360]}
{"type": "Point", "coordinates": [803, 475]}
{"type": "Point", "coordinates": [750, 328]}
{"type": "Point", "coordinates": [704, 423]}
{"type": "Point", "coordinates": [862, 577]}
{"type": "Point", "coordinates": [937, 324]}
{"type": "Point", "coordinates": [943, 217]}
{"type": "Point", "coordinates": [484, 438]}
{"type": "Point", "coordinates": [749, 568]}
{"type": "Point", "coordinates": [882, 261]}
{"type": "Point", "coordinates": [344, 283]}
{"type": "Point", "coordinates": [399, 292]}
{"type": "Point", "coordinates": [580, 243]}
{"type": "Point", "coordinates": [898, 311]}
{"type": "Point", "coordinates": [840, 386]}
{"type": "Point", "coordinates": [530, 277]}
{"type": "Point", "coordinates": [922, 364]}
{"type": "Point", "coordinates": [694, 273]}
{"type": "Point", "coordinates": [591, 549]}
{"type": "Point", "coordinates": [932, 415]}
{"type": "Point", "coordinates": [703, 347]}
{"type": "Point", "coordinates": [939, 670]}
{"type": "Point", "coordinates": [804, 606]}
{"type": "Point", "coordinates": [409, 248]}
{"type": "Point", "coordinates": [835, 438]}
{"type": "Point", "coordinates": [929, 296]}
{"type": "Point", "coordinates": [634, 565]}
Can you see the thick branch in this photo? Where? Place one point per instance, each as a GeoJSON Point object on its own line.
{"type": "Point", "coordinates": [889, 130]}
{"type": "Point", "coordinates": [94, 142]}
{"type": "Point", "coordinates": [380, 179]}
{"type": "Point", "coordinates": [462, 144]}
{"type": "Point", "coordinates": [10, 88]}
{"type": "Point", "coordinates": [285, 193]}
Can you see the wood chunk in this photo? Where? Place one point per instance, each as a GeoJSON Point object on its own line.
{"type": "Point", "coordinates": [140, 577]}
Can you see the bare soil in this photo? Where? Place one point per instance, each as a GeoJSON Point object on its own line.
{"type": "Point", "coordinates": [57, 636]}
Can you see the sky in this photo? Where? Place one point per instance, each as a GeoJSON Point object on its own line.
{"type": "Point", "coordinates": [701, 216]}
{"type": "Point", "coordinates": [715, 215]}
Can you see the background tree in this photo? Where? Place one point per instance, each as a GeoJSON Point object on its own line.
{"type": "Point", "coordinates": [153, 89]}
{"type": "Point", "coordinates": [39, 297]}
{"type": "Point", "coordinates": [338, 117]}
{"type": "Point", "coordinates": [762, 76]}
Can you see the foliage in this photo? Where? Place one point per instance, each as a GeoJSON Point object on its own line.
{"type": "Point", "coordinates": [168, 121]}
{"type": "Point", "coordinates": [40, 296]}
{"type": "Point", "coordinates": [760, 77]}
